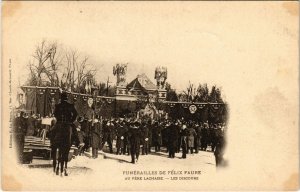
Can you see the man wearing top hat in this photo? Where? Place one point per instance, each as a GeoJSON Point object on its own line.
{"type": "Point", "coordinates": [172, 139]}
{"type": "Point", "coordinates": [134, 135]}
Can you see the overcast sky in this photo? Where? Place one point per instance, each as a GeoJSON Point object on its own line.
{"type": "Point", "coordinates": [201, 42]}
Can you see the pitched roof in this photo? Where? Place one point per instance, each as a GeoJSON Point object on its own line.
{"type": "Point", "coordinates": [142, 81]}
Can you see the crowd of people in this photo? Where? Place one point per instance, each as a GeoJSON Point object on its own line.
{"type": "Point", "coordinates": [131, 136]}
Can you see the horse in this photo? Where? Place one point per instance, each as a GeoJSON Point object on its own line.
{"type": "Point", "coordinates": [61, 140]}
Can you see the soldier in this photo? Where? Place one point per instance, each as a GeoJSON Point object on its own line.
{"type": "Point", "coordinates": [19, 131]}
{"type": "Point", "coordinates": [134, 135]}
{"type": "Point", "coordinates": [183, 136]}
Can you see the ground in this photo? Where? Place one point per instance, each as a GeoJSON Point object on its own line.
{"type": "Point", "coordinates": [111, 171]}
{"type": "Point", "coordinates": [85, 164]}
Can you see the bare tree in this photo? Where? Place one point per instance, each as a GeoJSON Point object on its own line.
{"type": "Point", "coordinates": [78, 72]}
{"type": "Point", "coordinates": [45, 64]}
{"type": "Point", "coordinates": [46, 68]}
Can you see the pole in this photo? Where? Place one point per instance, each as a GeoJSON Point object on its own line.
{"type": "Point", "coordinates": [107, 85]}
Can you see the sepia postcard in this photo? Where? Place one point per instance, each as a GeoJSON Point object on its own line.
{"type": "Point", "coordinates": [150, 95]}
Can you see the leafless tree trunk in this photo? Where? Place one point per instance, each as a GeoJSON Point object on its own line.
{"type": "Point", "coordinates": [45, 61]}
{"type": "Point", "coordinates": [77, 71]}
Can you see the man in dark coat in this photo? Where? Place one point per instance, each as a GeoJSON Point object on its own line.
{"type": "Point", "coordinates": [172, 139]}
{"type": "Point", "coordinates": [213, 137]}
{"type": "Point", "coordinates": [120, 132]}
{"type": "Point", "coordinates": [145, 138]}
{"type": "Point", "coordinates": [191, 137]}
{"type": "Point", "coordinates": [184, 144]}
{"type": "Point", "coordinates": [108, 130]}
{"type": "Point", "coordinates": [87, 127]}
{"type": "Point", "coordinates": [95, 138]}
{"type": "Point", "coordinates": [31, 122]}
{"type": "Point", "coordinates": [134, 135]}
{"type": "Point", "coordinates": [157, 138]}
{"type": "Point", "coordinates": [197, 138]}
{"type": "Point", "coordinates": [19, 131]}
{"type": "Point", "coordinates": [80, 135]}
{"type": "Point", "coordinates": [150, 127]}
{"type": "Point", "coordinates": [65, 114]}
{"type": "Point", "coordinates": [178, 127]}
{"type": "Point", "coordinates": [220, 145]}
{"type": "Point", "coordinates": [204, 137]}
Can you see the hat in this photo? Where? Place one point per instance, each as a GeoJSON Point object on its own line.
{"type": "Point", "coordinates": [64, 96]}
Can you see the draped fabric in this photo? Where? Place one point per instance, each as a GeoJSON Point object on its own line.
{"type": "Point", "coordinates": [51, 99]}
{"type": "Point", "coordinates": [40, 103]}
{"type": "Point", "coordinates": [30, 95]}
{"type": "Point", "coordinates": [42, 100]}
{"type": "Point", "coordinates": [212, 113]}
{"type": "Point", "coordinates": [80, 106]}
{"type": "Point", "coordinates": [218, 114]}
